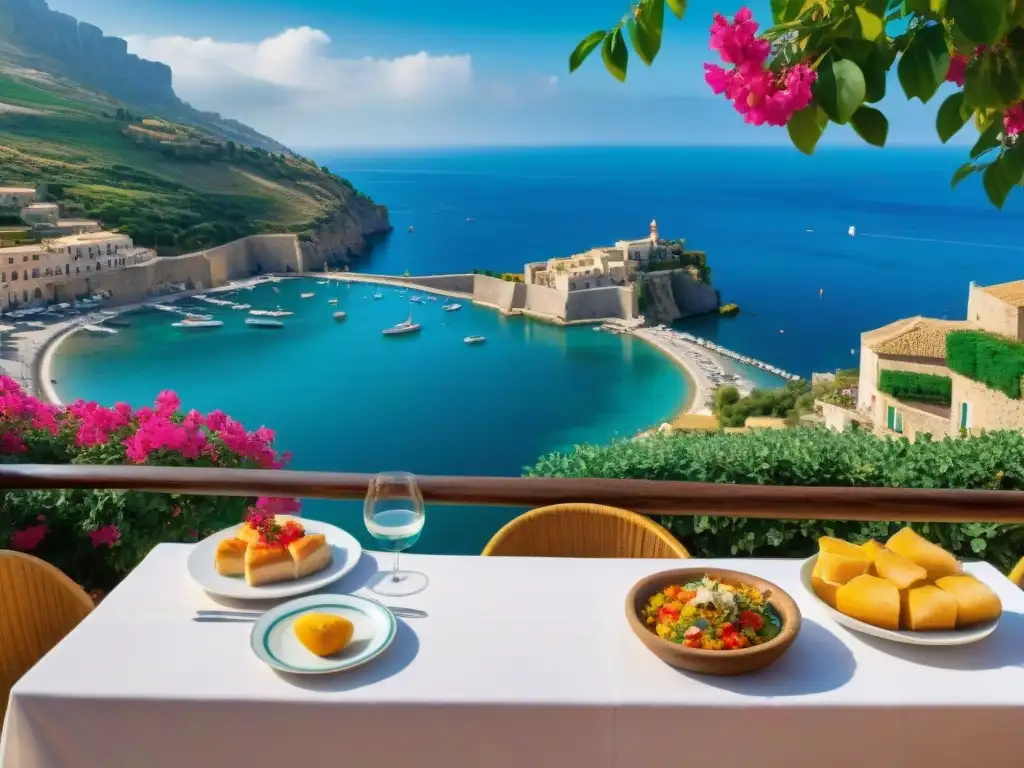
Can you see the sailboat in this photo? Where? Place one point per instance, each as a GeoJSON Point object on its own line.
{"type": "Point", "coordinates": [407, 326]}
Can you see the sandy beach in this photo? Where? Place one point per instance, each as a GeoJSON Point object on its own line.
{"type": "Point", "coordinates": [705, 371]}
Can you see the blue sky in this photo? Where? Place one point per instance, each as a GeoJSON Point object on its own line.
{"type": "Point", "coordinates": [341, 73]}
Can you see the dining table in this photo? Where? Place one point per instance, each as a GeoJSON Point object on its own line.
{"type": "Point", "coordinates": [502, 662]}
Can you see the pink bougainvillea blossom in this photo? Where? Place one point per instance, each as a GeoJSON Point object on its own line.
{"type": "Point", "coordinates": [106, 535]}
{"type": "Point", "coordinates": [957, 72]}
{"type": "Point", "coordinates": [11, 442]}
{"type": "Point", "coordinates": [275, 505]}
{"type": "Point", "coordinates": [29, 538]}
{"type": "Point", "coordinates": [167, 402]}
{"type": "Point", "coordinates": [1013, 119]}
{"type": "Point", "coordinates": [756, 92]}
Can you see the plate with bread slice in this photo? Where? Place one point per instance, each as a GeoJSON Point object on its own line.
{"type": "Point", "coordinates": [300, 556]}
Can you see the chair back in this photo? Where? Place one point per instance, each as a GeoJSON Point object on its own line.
{"type": "Point", "coordinates": [39, 605]}
{"type": "Point", "coordinates": [584, 530]}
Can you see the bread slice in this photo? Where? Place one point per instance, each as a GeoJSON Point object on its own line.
{"type": "Point", "coordinates": [266, 565]}
{"type": "Point", "coordinates": [311, 553]}
{"type": "Point", "coordinates": [230, 557]}
{"type": "Point", "coordinates": [248, 534]}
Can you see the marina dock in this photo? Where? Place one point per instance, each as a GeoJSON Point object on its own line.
{"type": "Point", "coordinates": [719, 349]}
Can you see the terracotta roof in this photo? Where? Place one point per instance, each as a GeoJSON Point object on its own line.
{"type": "Point", "coordinates": [1011, 293]}
{"type": "Point", "coordinates": [913, 337]}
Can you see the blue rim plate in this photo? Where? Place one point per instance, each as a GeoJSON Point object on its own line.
{"type": "Point", "coordinates": [345, 553]}
{"type": "Point", "coordinates": [274, 642]}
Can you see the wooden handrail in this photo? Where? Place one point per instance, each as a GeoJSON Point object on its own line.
{"type": "Point", "coordinates": [650, 496]}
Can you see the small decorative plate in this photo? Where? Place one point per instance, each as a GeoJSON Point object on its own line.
{"type": "Point", "coordinates": [345, 553]}
{"type": "Point", "coordinates": [937, 637]}
{"type": "Point", "coordinates": [274, 642]}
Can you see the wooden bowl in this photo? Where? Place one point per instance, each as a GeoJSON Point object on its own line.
{"type": "Point", "coordinates": [713, 662]}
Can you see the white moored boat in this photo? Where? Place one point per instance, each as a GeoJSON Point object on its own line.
{"type": "Point", "coordinates": [852, 231]}
{"type": "Point", "coordinates": [407, 326]}
{"type": "Point", "coordinates": [378, 295]}
{"type": "Point", "coordinates": [332, 301]}
{"type": "Point", "coordinates": [416, 299]}
{"type": "Point", "coordinates": [339, 315]}
{"type": "Point", "coordinates": [306, 295]}
{"type": "Point", "coordinates": [279, 313]}
{"type": "Point", "coordinates": [452, 307]}
{"type": "Point", "coordinates": [91, 328]}
{"type": "Point", "coordinates": [186, 323]}
{"type": "Point", "coordinates": [261, 322]}
{"type": "Point", "coordinates": [475, 339]}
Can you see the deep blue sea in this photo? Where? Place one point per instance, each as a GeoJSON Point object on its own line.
{"type": "Point", "coordinates": [919, 243]}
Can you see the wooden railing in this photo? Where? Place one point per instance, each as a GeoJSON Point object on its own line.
{"type": "Point", "coordinates": [650, 496]}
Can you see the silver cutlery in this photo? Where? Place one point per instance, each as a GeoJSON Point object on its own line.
{"type": "Point", "coordinates": [240, 616]}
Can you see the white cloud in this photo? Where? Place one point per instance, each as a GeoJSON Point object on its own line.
{"type": "Point", "coordinates": [295, 88]}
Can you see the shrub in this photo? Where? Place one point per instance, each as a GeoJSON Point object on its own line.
{"type": "Point", "coordinates": [729, 310]}
{"type": "Point", "coordinates": [996, 362]}
{"type": "Point", "coordinates": [733, 410]}
{"type": "Point", "coordinates": [806, 457]}
{"type": "Point", "coordinates": [98, 536]}
{"type": "Point", "coordinates": [923, 387]}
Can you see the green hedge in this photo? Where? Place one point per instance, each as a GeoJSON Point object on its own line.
{"type": "Point", "coordinates": [996, 362]}
{"type": "Point", "coordinates": [813, 456]}
{"type": "Point", "coordinates": [923, 387]}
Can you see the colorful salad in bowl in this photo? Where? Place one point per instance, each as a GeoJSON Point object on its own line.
{"type": "Point", "coordinates": [712, 615]}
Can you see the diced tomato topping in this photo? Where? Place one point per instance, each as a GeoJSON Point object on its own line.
{"type": "Point", "coordinates": [668, 613]}
{"type": "Point", "coordinates": [728, 629]}
{"type": "Point", "coordinates": [752, 620]}
{"type": "Point", "coordinates": [671, 592]}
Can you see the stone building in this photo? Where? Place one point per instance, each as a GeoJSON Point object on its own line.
{"type": "Point", "coordinates": [17, 197]}
{"type": "Point", "coordinates": [918, 345]}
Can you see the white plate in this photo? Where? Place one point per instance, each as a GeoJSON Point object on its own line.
{"type": "Point", "coordinates": [345, 553]}
{"type": "Point", "coordinates": [274, 642]}
{"type": "Point", "coordinates": [937, 637]}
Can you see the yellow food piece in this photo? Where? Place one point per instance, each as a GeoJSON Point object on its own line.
{"type": "Point", "coordinates": [870, 599]}
{"type": "Point", "coordinates": [840, 547]}
{"type": "Point", "coordinates": [323, 633]}
{"type": "Point", "coordinates": [976, 602]}
{"type": "Point", "coordinates": [897, 569]}
{"type": "Point", "coordinates": [839, 569]}
{"type": "Point", "coordinates": [825, 590]}
{"type": "Point", "coordinates": [917, 549]}
{"type": "Point", "coordinates": [872, 547]}
{"type": "Point", "coordinates": [927, 607]}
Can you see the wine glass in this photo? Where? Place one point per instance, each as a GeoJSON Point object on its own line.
{"type": "Point", "coordinates": [394, 516]}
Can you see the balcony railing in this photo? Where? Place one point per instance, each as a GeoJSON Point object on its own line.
{"type": "Point", "coordinates": [671, 498]}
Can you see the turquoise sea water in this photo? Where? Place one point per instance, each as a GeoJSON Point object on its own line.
{"type": "Point", "coordinates": [343, 397]}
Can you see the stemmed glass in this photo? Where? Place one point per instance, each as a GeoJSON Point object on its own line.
{"type": "Point", "coordinates": [394, 515]}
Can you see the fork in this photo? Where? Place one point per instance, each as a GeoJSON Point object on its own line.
{"type": "Point", "coordinates": [243, 616]}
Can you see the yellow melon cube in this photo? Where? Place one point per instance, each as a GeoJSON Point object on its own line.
{"type": "Point", "coordinates": [838, 569]}
{"type": "Point", "coordinates": [870, 599]}
{"type": "Point", "coordinates": [927, 607]}
{"type": "Point", "coordinates": [897, 569]}
{"type": "Point", "coordinates": [976, 602]}
{"type": "Point", "coordinates": [839, 547]}
{"type": "Point", "coordinates": [323, 633]}
{"type": "Point", "coordinates": [917, 549]}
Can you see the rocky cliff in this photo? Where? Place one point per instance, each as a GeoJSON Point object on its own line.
{"type": "Point", "coordinates": [36, 37]}
{"type": "Point", "coordinates": [673, 294]}
{"type": "Point", "coordinates": [346, 235]}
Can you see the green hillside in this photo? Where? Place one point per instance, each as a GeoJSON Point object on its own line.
{"type": "Point", "coordinates": [171, 186]}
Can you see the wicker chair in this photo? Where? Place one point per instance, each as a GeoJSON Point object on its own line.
{"type": "Point", "coordinates": [39, 605]}
{"type": "Point", "coordinates": [584, 530]}
{"type": "Point", "coordinates": [1017, 574]}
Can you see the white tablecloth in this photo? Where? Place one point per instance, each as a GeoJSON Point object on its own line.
{"type": "Point", "coordinates": [519, 662]}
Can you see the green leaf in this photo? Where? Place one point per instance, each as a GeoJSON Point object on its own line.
{"type": "Point", "coordinates": [870, 25]}
{"type": "Point", "coordinates": [615, 55]}
{"type": "Point", "coordinates": [805, 128]}
{"type": "Point", "coordinates": [963, 172]}
{"type": "Point", "coordinates": [982, 21]}
{"type": "Point", "coordinates": [786, 10]}
{"type": "Point", "coordinates": [924, 64]}
{"type": "Point", "coordinates": [997, 182]}
{"type": "Point", "coordinates": [678, 7]}
{"type": "Point", "coordinates": [871, 125]}
{"type": "Point", "coordinates": [951, 117]}
{"type": "Point", "coordinates": [585, 48]}
{"type": "Point", "coordinates": [645, 29]}
{"type": "Point", "coordinates": [978, 546]}
{"type": "Point", "coordinates": [989, 139]}
{"type": "Point", "coordinates": [840, 88]}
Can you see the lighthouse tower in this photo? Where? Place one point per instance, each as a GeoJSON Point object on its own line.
{"type": "Point", "coordinates": [654, 231]}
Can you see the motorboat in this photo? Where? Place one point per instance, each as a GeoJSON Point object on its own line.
{"type": "Point", "coordinates": [92, 328]}
{"type": "Point", "coordinates": [431, 298]}
{"type": "Point", "coordinates": [259, 311]}
{"type": "Point", "coordinates": [416, 299]}
{"type": "Point", "coordinates": [194, 318]}
{"type": "Point", "coordinates": [332, 301]}
{"type": "Point", "coordinates": [475, 339]}
{"type": "Point", "coordinates": [306, 295]}
{"type": "Point", "coordinates": [452, 307]}
{"type": "Point", "coordinates": [340, 316]}
{"type": "Point", "coordinates": [186, 323]}
{"type": "Point", "coordinates": [321, 282]}
{"type": "Point", "coordinates": [852, 231]}
{"type": "Point", "coordinates": [378, 296]}
{"type": "Point", "coordinates": [241, 306]}
{"type": "Point", "coordinates": [406, 326]}
{"type": "Point", "coordinates": [279, 313]}
{"type": "Point", "coordinates": [262, 322]}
